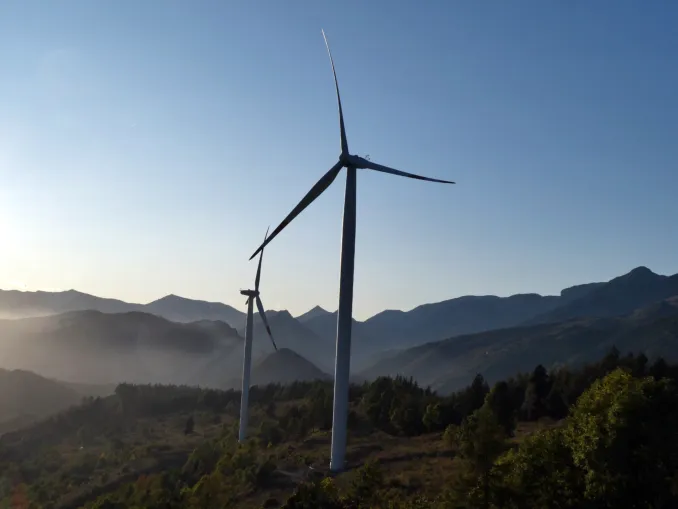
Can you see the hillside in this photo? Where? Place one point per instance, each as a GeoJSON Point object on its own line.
{"type": "Point", "coordinates": [282, 367]}
{"type": "Point", "coordinates": [101, 348]}
{"type": "Point", "coordinates": [290, 333]}
{"type": "Point", "coordinates": [286, 366]}
{"type": "Point", "coordinates": [449, 364]}
{"type": "Point", "coordinates": [454, 317]}
{"type": "Point", "coordinates": [25, 396]}
{"type": "Point", "coordinates": [619, 296]}
{"type": "Point", "coordinates": [18, 304]}
{"type": "Point", "coordinates": [313, 333]}
{"type": "Point", "coordinates": [175, 447]}
{"type": "Point", "coordinates": [472, 314]}
{"type": "Point", "coordinates": [392, 330]}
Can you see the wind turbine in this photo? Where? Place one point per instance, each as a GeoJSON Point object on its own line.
{"type": "Point", "coordinates": [252, 298]}
{"type": "Point", "coordinates": [343, 346]}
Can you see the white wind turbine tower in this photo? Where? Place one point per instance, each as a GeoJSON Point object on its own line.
{"type": "Point", "coordinates": [252, 297]}
{"type": "Point", "coordinates": [343, 346]}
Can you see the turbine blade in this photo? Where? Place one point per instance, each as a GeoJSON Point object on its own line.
{"type": "Point", "coordinates": [364, 163]}
{"type": "Point", "coordinates": [261, 256]}
{"type": "Point", "coordinates": [315, 191]}
{"type": "Point", "coordinates": [260, 307]}
{"type": "Point", "coordinates": [344, 142]}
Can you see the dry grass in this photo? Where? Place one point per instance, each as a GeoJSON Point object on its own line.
{"type": "Point", "coordinates": [410, 465]}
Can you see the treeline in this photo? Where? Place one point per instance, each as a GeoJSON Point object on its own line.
{"type": "Point", "coordinates": [478, 423]}
{"type": "Point", "coordinates": [395, 405]}
{"type": "Point", "coordinates": [400, 406]}
{"type": "Point", "coordinates": [617, 445]}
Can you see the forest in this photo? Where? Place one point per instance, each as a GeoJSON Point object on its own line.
{"type": "Point", "coordinates": [602, 435]}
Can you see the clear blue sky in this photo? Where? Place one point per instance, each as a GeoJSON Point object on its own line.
{"type": "Point", "coordinates": [146, 146]}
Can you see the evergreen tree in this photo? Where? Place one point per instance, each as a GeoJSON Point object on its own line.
{"type": "Point", "coordinates": [500, 402]}
{"type": "Point", "coordinates": [480, 441]}
{"type": "Point", "coordinates": [538, 387]}
{"type": "Point", "coordinates": [432, 419]}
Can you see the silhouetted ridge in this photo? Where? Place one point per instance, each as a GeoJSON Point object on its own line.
{"type": "Point", "coordinates": [317, 311]}
{"type": "Point", "coordinates": [181, 309]}
{"type": "Point", "coordinates": [25, 396]}
{"type": "Point", "coordinates": [313, 334]}
{"type": "Point", "coordinates": [578, 291]}
{"type": "Point", "coordinates": [449, 364]}
{"type": "Point", "coordinates": [619, 296]}
{"type": "Point", "coordinates": [94, 347]}
{"type": "Point", "coordinates": [286, 366]}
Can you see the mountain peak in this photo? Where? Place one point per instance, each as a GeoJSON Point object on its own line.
{"type": "Point", "coordinates": [638, 275]}
{"type": "Point", "coordinates": [282, 314]}
{"type": "Point", "coordinates": [170, 297]}
{"type": "Point", "coordinates": [182, 309]}
{"type": "Point", "coordinates": [286, 366]}
{"type": "Point", "coordinates": [313, 313]}
{"type": "Point", "coordinates": [641, 271]}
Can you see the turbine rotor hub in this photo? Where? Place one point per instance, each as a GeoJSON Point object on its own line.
{"type": "Point", "coordinates": [345, 159]}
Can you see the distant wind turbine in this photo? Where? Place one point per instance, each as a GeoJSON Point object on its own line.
{"type": "Point", "coordinates": [343, 346]}
{"type": "Point", "coordinates": [252, 297]}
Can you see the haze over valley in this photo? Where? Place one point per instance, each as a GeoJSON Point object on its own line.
{"type": "Point", "coordinates": [84, 339]}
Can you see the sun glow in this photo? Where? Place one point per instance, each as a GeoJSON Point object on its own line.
{"type": "Point", "coordinates": [8, 235]}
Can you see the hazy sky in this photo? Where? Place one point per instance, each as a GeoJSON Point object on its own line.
{"type": "Point", "coordinates": [146, 146]}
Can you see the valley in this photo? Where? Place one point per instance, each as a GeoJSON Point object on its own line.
{"type": "Point", "coordinates": [440, 344]}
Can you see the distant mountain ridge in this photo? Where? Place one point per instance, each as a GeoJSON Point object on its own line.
{"type": "Point", "coordinates": [20, 304]}
{"type": "Point", "coordinates": [315, 312]}
{"type": "Point", "coordinates": [102, 348]}
{"type": "Point", "coordinates": [617, 297]}
{"type": "Point", "coordinates": [289, 333]}
{"type": "Point", "coordinates": [180, 309]}
{"type": "Point", "coordinates": [313, 333]}
{"type": "Point", "coordinates": [443, 344]}
{"type": "Point", "coordinates": [282, 367]}
{"type": "Point", "coordinates": [26, 397]}
{"type": "Point", "coordinates": [286, 366]}
{"type": "Point", "coordinates": [452, 363]}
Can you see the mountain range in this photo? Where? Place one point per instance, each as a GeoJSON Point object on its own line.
{"type": "Point", "coordinates": [104, 348]}
{"type": "Point", "coordinates": [20, 304]}
{"type": "Point", "coordinates": [451, 364]}
{"type": "Point", "coordinates": [443, 344]}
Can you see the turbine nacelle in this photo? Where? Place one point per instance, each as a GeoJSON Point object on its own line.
{"type": "Point", "coordinates": [250, 293]}
{"type": "Point", "coordinates": [351, 161]}
{"type": "Point", "coordinates": [358, 162]}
